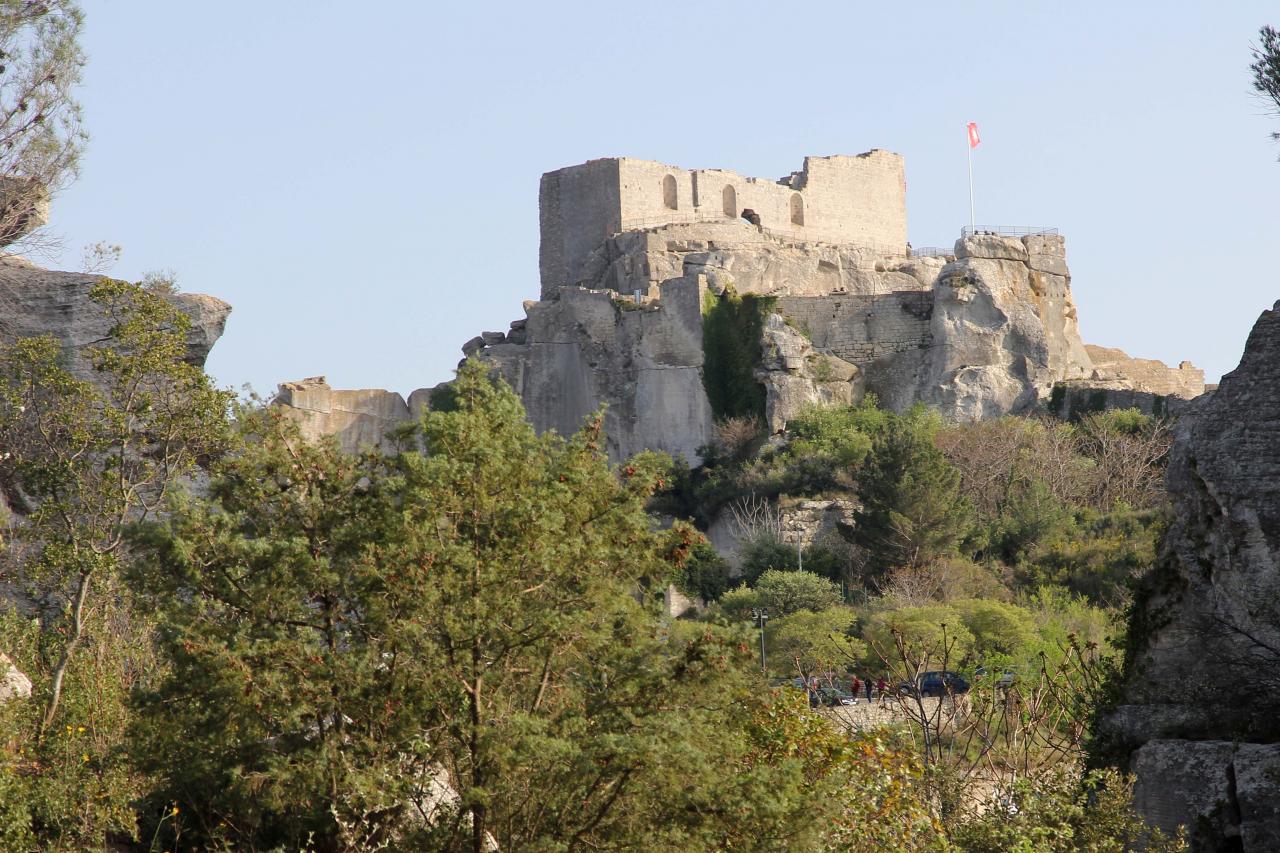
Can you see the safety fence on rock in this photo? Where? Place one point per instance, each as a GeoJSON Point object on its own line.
{"type": "Point", "coordinates": [1008, 231]}
{"type": "Point", "coordinates": [933, 252]}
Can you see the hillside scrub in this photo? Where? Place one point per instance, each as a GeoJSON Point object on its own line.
{"type": "Point", "coordinates": [998, 507]}
{"type": "Point", "coordinates": [305, 648]}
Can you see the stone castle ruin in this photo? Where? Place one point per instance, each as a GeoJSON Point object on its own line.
{"type": "Point", "coordinates": [633, 253]}
{"type": "Point", "coordinates": [838, 200]}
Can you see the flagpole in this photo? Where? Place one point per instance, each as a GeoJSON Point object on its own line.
{"type": "Point", "coordinates": [969, 151]}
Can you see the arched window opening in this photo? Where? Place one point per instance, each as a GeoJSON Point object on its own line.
{"type": "Point", "coordinates": [729, 198]}
{"type": "Point", "coordinates": [669, 193]}
{"type": "Point", "coordinates": [797, 209]}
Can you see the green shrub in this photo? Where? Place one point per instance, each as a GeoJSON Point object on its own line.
{"type": "Point", "coordinates": [1066, 814]}
{"type": "Point", "coordinates": [783, 593]}
{"type": "Point", "coordinates": [764, 552]}
{"type": "Point", "coordinates": [705, 574]}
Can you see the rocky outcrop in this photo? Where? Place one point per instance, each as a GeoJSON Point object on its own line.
{"type": "Point", "coordinates": [803, 522]}
{"type": "Point", "coordinates": [1003, 327]}
{"type": "Point", "coordinates": [590, 349]}
{"type": "Point", "coordinates": [1198, 719]}
{"type": "Point", "coordinates": [984, 330]}
{"type": "Point", "coordinates": [1119, 370]}
{"type": "Point", "coordinates": [751, 259]}
{"type": "Point", "coordinates": [795, 376]}
{"type": "Point", "coordinates": [35, 301]}
{"type": "Point", "coordinates": [359, 419]}
{"type": "Point", "coordinates": [14, 684]}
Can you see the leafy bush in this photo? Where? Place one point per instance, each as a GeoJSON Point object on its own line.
{"type": "Point", "coordinates": [789, 592]}
{"type": "Point", "coordinates": [1067, 814]}
{"type": "Point", "coordinates": [933, 634]}
{"type": "Point", "coordinates": [806, 642]}
{"type": "Point", "coordinates": [1098, 555]}
{"type": "Point", "coordinates": [737, 603]}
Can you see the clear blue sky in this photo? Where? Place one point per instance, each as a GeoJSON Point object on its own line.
{"type": "Point", "coordinates": [360, 180]}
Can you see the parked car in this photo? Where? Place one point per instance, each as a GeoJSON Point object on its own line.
{"type": "Point", "coordinates": [832, 696]}
{"type": "Point", "coordinates": [1007, 677]}
{"type": "Point", "coordinates": [935, 683]}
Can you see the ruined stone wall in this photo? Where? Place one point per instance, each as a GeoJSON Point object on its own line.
{"type": "Point", "coordinates": [641, 195]}
{"type": "Point", "coordinates": [767, 198]}
{"type": "Point", "coordinates": [858, 200]}
{"type": "Point", "coordinates": [577, 208]}
{"type": "Point", "coordinates": [1146, 374]}
{"type": "Point", "coordinates": [863, 328]}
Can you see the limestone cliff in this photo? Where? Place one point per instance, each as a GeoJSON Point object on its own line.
{"type": "Point", "coordinates": [1198, 720]}
{"type": "Point", "coordinates": [589, 349]}
{"type": "Point", "coordinates": [35, 301]}
{"type": "Point", "coordinates": [359, 419]}
{"type": "Point", "coordinates": [1004, 327]}
{"type": "Point", "coordinates": [986, 332]}
{"type": "Point", "coordinates": [985, 329]}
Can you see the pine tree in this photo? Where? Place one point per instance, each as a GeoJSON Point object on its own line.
{"type": "Point", "coordinates": [345, 633]}
{"type": "Point", "coordinates": [912, 510]}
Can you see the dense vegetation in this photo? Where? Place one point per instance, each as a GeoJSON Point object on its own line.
{"type": "Point", "coordinates": [240, 640]}
{"type": "Point", "coordinates": [1003, 550]}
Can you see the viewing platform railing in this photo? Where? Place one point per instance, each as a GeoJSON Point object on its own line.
{"type": "Point", "coordinates": [933, 252]}
{"type": "Point", "coordinates": [1008, 230]}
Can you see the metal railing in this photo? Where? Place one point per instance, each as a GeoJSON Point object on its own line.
{"type": "Point", "coordinates": [933, 252]}
{"type": "Point", "coordinates": [1008, 231]}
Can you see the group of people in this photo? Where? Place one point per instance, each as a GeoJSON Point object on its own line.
{"type": "Point", "coordinates": [880, 687]}
{"type": "Point", "coordinates": [858, 687]}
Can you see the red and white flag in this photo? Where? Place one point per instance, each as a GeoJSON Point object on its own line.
{"type": "Point", "coordinates": [974, 139]}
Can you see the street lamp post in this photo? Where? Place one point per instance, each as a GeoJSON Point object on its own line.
{"type": "Point", "coordinates": [762, 616]}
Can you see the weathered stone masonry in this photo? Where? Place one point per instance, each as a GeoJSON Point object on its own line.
{"type": "Point", "coordinates": [861, 328]}
{"type": "Point", "coordinates": [987, 331]}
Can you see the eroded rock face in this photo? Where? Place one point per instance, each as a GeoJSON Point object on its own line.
{"type": "Point", "coordinates": [1199, 713]}
{"type": "Point", "coordinates": [1004, 327]}
{"type": "Point", "coordinates": [35, 301]}
{"type": "Point", "coordinates": [588, 348]}
{"type": "Point", "coordinates": [795, 376]}
{"type": "Point", "coordinates": [360, 419]}
{"type": "Point", "coordinates": [984, 330]}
